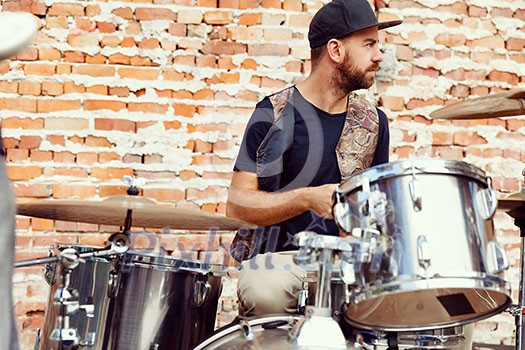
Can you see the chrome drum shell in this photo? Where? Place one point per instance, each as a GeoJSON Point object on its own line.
{"type": "Point", "coordinates": [439, 264]}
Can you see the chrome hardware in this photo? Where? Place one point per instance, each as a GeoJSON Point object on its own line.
{"type": "Point", "coordinates": [341, 213]}
{"type": "Point", "coordinates": [496, 258]}
{"type": "Point", "coordinates": [487, 201]}
{"type": "Point", "coordinates": [200, 292]}
{"type": "Point", "coordinates": [302, 298]}
{"type": "Point", "coordinates": [246, 329]}
{"type": "Point", "coordinates": [89, 308]}
{"type": "Point", "coordinates": [414, 188]}
{"type": "Point", "coordinates": [423, 252]}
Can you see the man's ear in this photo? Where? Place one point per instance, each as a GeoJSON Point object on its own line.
{"type": "Point", "coordinates": [335, 50]}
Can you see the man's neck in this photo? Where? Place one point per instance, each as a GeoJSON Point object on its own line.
{"type": "Point", "coordinates": [319, 91]}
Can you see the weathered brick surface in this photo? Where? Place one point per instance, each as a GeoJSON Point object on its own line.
{"type": "Point", "coordinates": [162, 90]}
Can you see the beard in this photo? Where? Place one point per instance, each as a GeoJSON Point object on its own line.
{"type": "Point", "coordinates": [349, 77]}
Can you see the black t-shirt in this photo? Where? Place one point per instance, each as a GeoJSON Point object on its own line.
{"type": "Point", "coordinates": [310, 161]}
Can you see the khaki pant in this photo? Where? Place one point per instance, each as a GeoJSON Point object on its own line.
{"type": "Point", "coordinates": [269, 284]}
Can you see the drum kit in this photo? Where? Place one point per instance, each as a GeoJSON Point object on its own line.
{"type": "Point", "coordinates": [385, 283]}
{"type": "Point", "coordinates": [392, 280]}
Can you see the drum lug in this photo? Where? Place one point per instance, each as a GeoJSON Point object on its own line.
{"type": "Point", "coordinates": [89, 308]}
{"type": "Point", "coordinates": [487, 201]}
{"type": "Point", "coordinates": [423, 252]}
{"type": "Point", "coordinates": [414, 188]}
{"type": "Point", "coordinates": [113, 280]}
{"type": "Point", "coordinates": [246, 329]}
{"type": "Point", "coordinates": [496, 258]}
{"type": "Point", "coordinates": [200, 292]}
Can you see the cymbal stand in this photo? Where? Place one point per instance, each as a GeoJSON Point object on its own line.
{"type": "Point", "coordinates": [518, 311]}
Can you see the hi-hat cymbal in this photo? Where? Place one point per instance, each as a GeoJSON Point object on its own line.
{"type": "Point", "coordinates": [113, 210]}
{"type": "Point", "coordinates": [17, 29]}
{"type": "Point", "coordinates": [514, 205]}
{"type": "Point", "coordinates": [503, 104]}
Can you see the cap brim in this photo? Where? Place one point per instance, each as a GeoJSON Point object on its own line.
{"type": "Point", "coordinates": [389, 24]}
{"type": "Point", "coordinates": [17, 30]}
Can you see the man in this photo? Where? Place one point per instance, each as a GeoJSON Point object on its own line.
{"type": "Point", "coordinates": [298, 145]}
{"type": "Point", "coordinates": [16, 30]}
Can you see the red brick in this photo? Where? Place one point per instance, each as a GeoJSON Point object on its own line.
{"type": "Point", "coordinates": [97, 89]}
{"type": "Point", "coordinates": [9, 86]}
{"type": "Point", "coordinates": [165, 194]}
{"type": "Point", "coordinates": [148, 14]}
{"type": "Point", "coordinates": [120, 91]}
{"type": "Point", "coordinates": [515, 44]}
{"type": "Point", "coordinates": [72, 191]}
{"type": "Point", "coordinates": [40, 69]}
{"type": "Point", "coordinates": [268, 50]}
{"type": "Point", "coordinates": [119, 58]}
{"type": "Point", "coordinates": [507, 77]}
{"type": "Point", "coordinates": [85, 25]}
{"type": "Point", "coordinates": [40, 156]}
{"type": "Point", "coordinates": [115, 124]}
{"type": "Point", "coordinates": [223, 48]}
{"type": "Point", "coordinates": [84, 39]}
{"type": "Point", "coordinates": [442, 138]}
{"type": "Point", "coordinates": [94, 71]}
{"type": "Point", "coordinates": [28, 54]}
{"type": "Point", "coordinates": [110, 173]}
{"type": "Point", "coordinates": [276, 4]}
{"type": "Point", "coordinates": [466, 138]}
{"type": "Point", "coordinates": [92, 105]}
{"type": "Point", "coordinates": [147, 107]}
{"type": "Point", "coordinates": [97, 59]}
{"type": "Point", "coordinates": [184, 110]}
{"type": "Point", "coordinates": [52, 88]}
{"type": "Point", "coordinates": [149, 43]}
{"type": "Point", "coordinates": [46, 106]}
{"type": "Point", "coordinates": [66, 9]}
{"type": "Point", "coordinates": [29, 141]}
{"type": "Point", "coordinates": [56, 140]}
{"type": "Point", "coordinates": [16, 155]}
{"type": "Point", "coordinates": [18, 104]}
{"type": "Point", "coordinates": [106, 27]}
{"type": "Point", "coordinates": [105, 157]}
{"type": "Point", "coordinates": [450, 40]}
{"type": "Point", "coordinates": [16, 173]}
{"type": "Point", "coordinates": [218, 17]}
{"type": "Point", "coordinates": [74, 56]}
{"type": "Point", "coordinates": [124, 12]}
{"type": "Point", "coordinates": [22, 123]}
{"type": "Point", "coordinates": [138, 73]}
{"type": "Point", "coordinates": [177, 29]}
{"type": "Point", "coordinates": [26, 87]}
{"type": "Point", "coordinates": [207, 3]}
{"type": "Point", "coordinates": [94, 141]}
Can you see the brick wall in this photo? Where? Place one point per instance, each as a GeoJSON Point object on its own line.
{"type": "Point", "coordinates": [162, 90]}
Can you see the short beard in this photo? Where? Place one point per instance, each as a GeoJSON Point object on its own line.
{"type": "Point", "coordinates": [349, 78]}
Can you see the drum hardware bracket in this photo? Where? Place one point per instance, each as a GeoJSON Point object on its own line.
{"type": "Point", "coordinates": [414, 187]}
{"type": "Point", "coordinates": [423, 252]}
{"type": "Point", "coordinates": [487, 201]}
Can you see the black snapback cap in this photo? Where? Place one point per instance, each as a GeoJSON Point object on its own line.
{"type": "Point", "coordinates": [340, 18]}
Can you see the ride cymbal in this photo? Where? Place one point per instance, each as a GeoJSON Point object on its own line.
{"type": "Point", "coordinates": [113, 211]}
{"type": "Point", "coordinates": [17, 29]}
{"type": "Point", "coordinates": [514, 205]}
{"type": "Point", "coordinates": [503, 104]}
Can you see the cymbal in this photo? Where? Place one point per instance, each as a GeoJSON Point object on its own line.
{"type": "Point", "coordinates": [514, 205]}
{"type": "Point", "coordinates": [112, 211]}
{"type": "Point", "coordinates": [503, 104]}
{"type": "Point", "coordinates": [17, 29]}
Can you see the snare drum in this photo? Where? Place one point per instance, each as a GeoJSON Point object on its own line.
{"type": "Point", "coordinates": [440, 265]}
{"type": "Point", "coordinates": [163, 302]}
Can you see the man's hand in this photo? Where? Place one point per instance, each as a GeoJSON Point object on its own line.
{"type": "Point", "coordinates": [320, 199]}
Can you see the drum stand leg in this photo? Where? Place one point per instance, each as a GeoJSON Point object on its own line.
{"type": "Point", "coordinates": [519, 310]}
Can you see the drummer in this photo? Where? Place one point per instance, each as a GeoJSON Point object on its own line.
{"type": "Point", "coordinates": [299, 144]}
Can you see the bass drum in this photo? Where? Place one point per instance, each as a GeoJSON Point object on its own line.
{"type": "Point", "coordinates": [268, 333]}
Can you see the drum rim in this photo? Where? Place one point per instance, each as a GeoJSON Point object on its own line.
{"type": "Point", "coordinates": [404, 168]}
{"type": "Point", "coordinates": [168, 262]}
{"type": "Point", "coordinates": [252, 321]}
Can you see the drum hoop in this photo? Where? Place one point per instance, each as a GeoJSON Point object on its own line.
{"type": "Point", "coordinates": [172, 263]}
{"type": "Point", "coordinates": [252, 321]}
{"type": "Point", "coordinates": [419, 166]}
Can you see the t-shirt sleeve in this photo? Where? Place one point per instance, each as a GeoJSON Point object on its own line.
{"type": "Point", "coordinates": [258, 126]}
{"type": "Point", "coordinates": [383, 140]}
